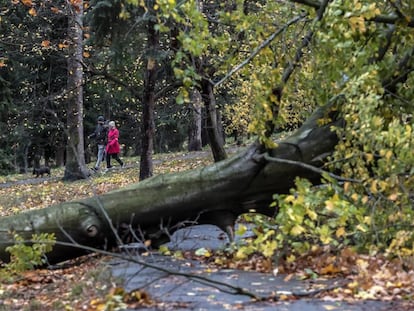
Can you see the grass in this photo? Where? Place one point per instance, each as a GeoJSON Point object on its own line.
{"type": "Point", "coordinates": [24, 192]}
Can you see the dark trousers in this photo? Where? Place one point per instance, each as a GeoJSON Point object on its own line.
{"type": "Point", "coordinates": [115, 156]}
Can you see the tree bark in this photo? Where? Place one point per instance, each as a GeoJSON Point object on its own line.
{"type": "Point", "coordinates": [75, 150]}
{"type": "Point", "coordinates": [148, 102]}
{"type": "Point", "coordinates": [215, 194]}
{"type": "Point", "coordinates": [216, 141]}
{"type": "Point", "coordinates": [194, 128]}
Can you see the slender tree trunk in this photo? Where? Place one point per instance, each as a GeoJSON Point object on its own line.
{"type": "Point", "coordinates": [75, 150]}
{"type": "Point", "coordinates": [60, 154]}
{"type": "Point", "coordinates": [194, 129]}
{"type": "Point", "coordinates": [148, 102]}
{"type": "Point", "coordinates": [220, 127]}
{"type": "Point", "coordinates": [215, 139]}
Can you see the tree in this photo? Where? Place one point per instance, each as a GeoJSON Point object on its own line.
{"type": "Point", "coordinates": [75, 153]}
{"type": "Point", "coordinates": [34, 72]}
{"type": "Point", "coordinates": [150, 78]}
{"type": "Point", "coordinates": [194, 129]}
{"type": "Point", "coordinates": [148, 100]}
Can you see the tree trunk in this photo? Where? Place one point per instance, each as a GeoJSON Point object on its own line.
{"type": "Point", "coordinates": [157, 206]}
{"type": "Point", "coordinates": [148, 102]}
{"type": "Point", "coordinates": [75, 150]}
{"type": "Point", "coordinates": [194, 128]}
{"type": "Point", "coordinates": [215, 139]}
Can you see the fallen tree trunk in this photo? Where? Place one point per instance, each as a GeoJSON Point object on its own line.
{"type": "Point", "coordinates": [216, 194]}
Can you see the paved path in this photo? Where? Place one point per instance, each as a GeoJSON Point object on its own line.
{"type": "Point", "coordinates": [178, 292]}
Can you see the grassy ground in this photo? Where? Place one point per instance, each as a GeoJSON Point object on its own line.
{"type": "Point", "coordinates": [22, 192]}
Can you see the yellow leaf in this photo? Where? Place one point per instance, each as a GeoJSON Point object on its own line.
{"type": "Point", "coordinates": [340, 232]}
{"type": "Point", "coordinates": [388, 154]}
{"type": "Point", "coordinates": [45, 43]}
{"type": "Point", "coordinates": [33, 12]}
{"type": "Point", "coordinates": [241, 229]}
{"type": "Point", "coordinates": [355, 197]}
{"type": "Point", "coordinates": [357, 24]}
{"type": "Point", "coordinates": [269, 249]}
{"type": "Point", "coordinates": [312, 214]}
{"type": "Point", "coordinates": [373, 187]}
{"type": "Point", "coordinates": [289, 199]}
{"type": "Point", "coordinates": [330, 269]}
{"type": "Point", "coordinates": [63, 45]}
{"type": "Point", "coordinates": [27, 2]}
{"type": "Point", "coordinates": [296, 230]}
{"type": "Point", "coordinates": [346, 186]}
{"type": "Point", "coordinates": [240, 254]}
{"type": "Point", "coordinates": [393, 197]}
{"type": "Point", "coordinates": [353, 285]}
{"type": "Point", "coordinates": [329, 205]}
{"type": "Point", "coordinates": [55, 10]}
{"type": "Point", "coordinates": [361, 228]}
{"type": "Point", "coordinates": [291, 258]}
{"type": "Point", "coordinates": [164, 250]}
{"type": "Point", "coordinates": [369, 157]}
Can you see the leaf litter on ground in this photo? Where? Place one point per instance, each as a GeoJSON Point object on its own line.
{"type": "Point", "coordinates": [84, 283]}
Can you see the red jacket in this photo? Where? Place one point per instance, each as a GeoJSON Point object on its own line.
{"type": "Point", "coordinates": [113, 144]}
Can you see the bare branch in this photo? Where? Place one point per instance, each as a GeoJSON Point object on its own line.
{"type": "Point", "coordinates": [259, 48]}
{"type": "Point", "coordinates": [227, 288]}
{"type": "Point", "coordinates": [310, 167]}
{"type": "Point", "coordinates": [305, 42]}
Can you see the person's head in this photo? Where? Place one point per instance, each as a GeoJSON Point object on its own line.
{"type": "Point", "coordinates": [111, 124]}
{"type": "Point", "coordinates": [101, 119]}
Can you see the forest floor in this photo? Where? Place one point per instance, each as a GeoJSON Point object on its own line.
{"type": "Point", "coordinates": [192, 272]}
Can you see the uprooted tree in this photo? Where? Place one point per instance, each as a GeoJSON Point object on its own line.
{"type": "Point", "coordinates": [156, 207]}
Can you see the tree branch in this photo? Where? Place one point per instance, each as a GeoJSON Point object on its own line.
{"type": "Point", "coordinates": [382, 18]}
{"type": "Point", "coordinates": [259, 48]}
{"type": "Point", "coordinates": [309, 167]}
{"type": "Point", "coordinates": [305, 42]}
{"type": "Point", "coordinates": [224, 287]}
{"type": "Point", "coordinates": [109, 77]}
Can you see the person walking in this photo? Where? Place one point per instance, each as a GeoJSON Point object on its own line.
{"type": "Point", "coordinates": [113, 148]}
{"type": "Point", "coordinates": [100, 134]}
